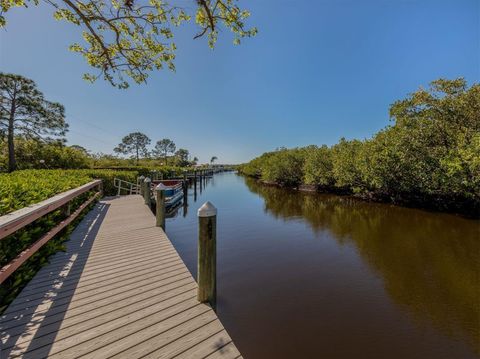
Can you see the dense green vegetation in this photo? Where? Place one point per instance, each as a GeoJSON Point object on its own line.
{"type": "Point", "coordinates": [429, 157]}
{"type": "Point", "coordinates": [22, 188]}
{"type": "Point", "coordinates": [35, 154]}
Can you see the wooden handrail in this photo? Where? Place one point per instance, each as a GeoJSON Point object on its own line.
{"type": "Point", "coordinates": [14, 221]}
{"type": "Point", "coordinates": [13, 265]}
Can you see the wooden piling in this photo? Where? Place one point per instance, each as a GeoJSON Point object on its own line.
{"type": "Point", "coordinates": [160, 206]}
{"type": "Point", "coordinates": [185, 187]}
{"type": "Point", "coordinates": [207, 254]}
{"type": "Point", "coordinates": [147, 191]}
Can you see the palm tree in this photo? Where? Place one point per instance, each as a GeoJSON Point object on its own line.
{"type": "Point", "coordinates": [213, 159]}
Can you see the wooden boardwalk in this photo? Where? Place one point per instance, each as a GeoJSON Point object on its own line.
{"type": "Point", "coordinates": [119, 291]}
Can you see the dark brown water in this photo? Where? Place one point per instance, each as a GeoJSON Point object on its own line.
{"type": "Point", "coordinates": [319, 276]}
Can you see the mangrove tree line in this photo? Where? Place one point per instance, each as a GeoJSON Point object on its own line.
{"type": "Point", "coordinates": [429, 156]}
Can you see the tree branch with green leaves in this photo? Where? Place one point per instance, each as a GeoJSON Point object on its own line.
{"type": "Point", "coordinates": [125, 40]}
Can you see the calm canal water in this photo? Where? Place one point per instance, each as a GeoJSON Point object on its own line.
{"type": "Point", "coordinates": [318, 276]}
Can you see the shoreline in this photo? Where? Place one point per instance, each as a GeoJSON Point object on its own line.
{"type": "Point", "coordinates": [434, 204]}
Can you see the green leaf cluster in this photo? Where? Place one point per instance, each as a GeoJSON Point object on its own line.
{"type": "Point", "coordinates": [126, 40]}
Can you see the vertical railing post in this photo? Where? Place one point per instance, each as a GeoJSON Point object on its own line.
{"type": "Point", "coordinates": [147, 191]}
{"type": "Point", "coordinates": [207, 254]}
{"type": "Point", "coordinates": [66, 209]}
{"type": "Point", "coordinates": [160, 206]}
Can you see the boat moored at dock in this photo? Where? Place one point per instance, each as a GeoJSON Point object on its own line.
{"type": "Point", "coordinates": [173, 191]}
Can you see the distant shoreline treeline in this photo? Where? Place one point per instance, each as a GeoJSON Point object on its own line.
{"type": "Point", "coordinates": [429, 158]}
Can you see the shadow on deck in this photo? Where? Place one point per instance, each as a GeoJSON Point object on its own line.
{"type": "Point", "coordinates": [37, 313]}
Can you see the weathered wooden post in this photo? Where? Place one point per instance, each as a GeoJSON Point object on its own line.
{"type": "Point", "coordinates": [195, 191]}
{"type": "Point", "coordinates": [207, 254]}
{"type": "Point", "coordinates": [160, 206]}
{"type": "Point", "coordinates": [66, 209]}
{"type": "Point", "coordinates": [140, 183]}
{"type": "Point", "coordinates": [147, 191]}
{"type": "Point", "coordinates": [185, 178]}
{"type": "Point", "coordinates": [185, 187]}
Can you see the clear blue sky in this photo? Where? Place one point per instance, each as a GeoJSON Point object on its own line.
{"type": "Point", "coordinates": [318, 70]}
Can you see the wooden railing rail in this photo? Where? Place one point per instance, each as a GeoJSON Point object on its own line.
{"type": "Point", "coordinates": [12, 222]}
{"type": "Point", "coordinates": [128, 187]}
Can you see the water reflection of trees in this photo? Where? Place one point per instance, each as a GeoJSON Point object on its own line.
{"type": "Point", "coordinates": [429, 261]}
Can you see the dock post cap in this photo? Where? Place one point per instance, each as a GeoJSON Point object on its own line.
{"type": "Point", "coordinates": [160, 187]}
{"type": "Point", "coordinates": [207, 210]}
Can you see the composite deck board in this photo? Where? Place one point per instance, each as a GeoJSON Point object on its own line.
{"type": "Point", "coordinates": [119, 290]}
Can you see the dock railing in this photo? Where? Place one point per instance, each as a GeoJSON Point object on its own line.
{"type": "Point", "coordinates": [12, 222]}
{"type": "Point", "coordinates": [127, 187]}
